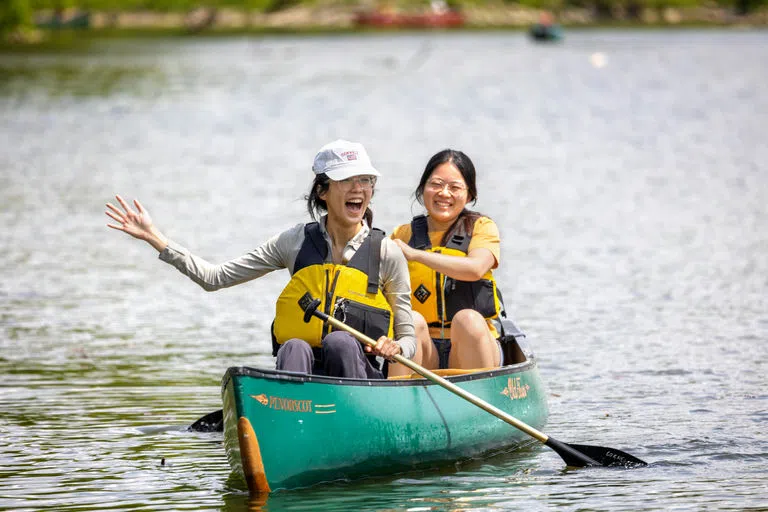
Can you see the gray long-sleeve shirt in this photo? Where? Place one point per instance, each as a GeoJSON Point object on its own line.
{"type": "Point", "coordinates": [280, 252]}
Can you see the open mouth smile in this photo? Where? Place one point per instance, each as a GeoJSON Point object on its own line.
{"type": "Point", "coordinates": [355, 206]}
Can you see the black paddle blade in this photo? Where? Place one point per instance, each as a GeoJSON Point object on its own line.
{"type": "Point", "coordinates": [211, 422]}
{"type": "Point", "coordinates": [571, 456]}
{"type": "Point", "coordinates": [582, 455]}
{"type": "Point", "coordinates": [609, 456]}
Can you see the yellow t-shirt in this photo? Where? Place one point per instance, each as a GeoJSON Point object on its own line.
{"type": "Point", "coordinates": [485, 234]}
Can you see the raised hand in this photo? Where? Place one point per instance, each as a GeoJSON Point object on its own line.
{"type": "Point", "coordinates": [137, 223]}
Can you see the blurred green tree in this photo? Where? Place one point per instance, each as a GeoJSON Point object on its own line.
{"type": "Point", "coordinates": [14, 14]}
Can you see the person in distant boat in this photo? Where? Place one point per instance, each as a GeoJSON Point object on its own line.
{"type": "Point", "coordinates": [451, 252]}
{"type": "Point", "coordinates": [359, 275]}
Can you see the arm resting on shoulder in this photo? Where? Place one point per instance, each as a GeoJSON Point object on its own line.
{"type": "Point", "coordinates": [470, 268]}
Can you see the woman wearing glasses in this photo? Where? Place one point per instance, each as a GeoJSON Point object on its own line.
{"type": "Point", "coordinates": [360, 276]}
{"type": "Point", "coordinates": [451, 251]}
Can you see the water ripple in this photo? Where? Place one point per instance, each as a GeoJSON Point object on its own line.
{"type": "Point", "coordinates": [631, 201]}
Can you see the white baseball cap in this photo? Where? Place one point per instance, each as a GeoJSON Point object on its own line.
{"type": "Point", "coordinates": [342, 159]}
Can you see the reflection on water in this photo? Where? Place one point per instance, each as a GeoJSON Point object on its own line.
{"type": "Point", "coordinates": [77, 80]}
{"type": "Point", "coordinates": [469, 485]}
{"type": "Point", "coordinates": [630, 197]}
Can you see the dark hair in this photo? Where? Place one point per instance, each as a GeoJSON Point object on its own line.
{"type": "Point", "coordinates": [317, 206]}
{"type": "Point", "coordinates": [462, 163]}
{"type": "Point", "coordinates": [467, 169]}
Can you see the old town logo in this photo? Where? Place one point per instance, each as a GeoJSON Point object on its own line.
{"type": "Point", "coordinates": [291, 405]}
{"type": "Point", "coordinates": [262, 398]}
{"type": "Point", "coordinates": [515, 390]}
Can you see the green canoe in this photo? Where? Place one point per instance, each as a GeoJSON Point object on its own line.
{"type": "Point", "coordinates": [286, 430]}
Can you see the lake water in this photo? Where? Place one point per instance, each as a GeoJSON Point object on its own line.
{"type": "Point", "coordinates": [626, 170]}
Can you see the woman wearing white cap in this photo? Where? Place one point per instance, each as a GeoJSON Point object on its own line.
{"type": "Point", "coordinates": [360, 276]}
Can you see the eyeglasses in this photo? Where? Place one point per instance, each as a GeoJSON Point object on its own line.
{"type": "Point", "coordinates": [455, 188]}
{"type": "Point", "coordinates": [365, 181]}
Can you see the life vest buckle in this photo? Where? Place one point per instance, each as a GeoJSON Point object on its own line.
{"type": "Point", "coordinates": [340, 309]}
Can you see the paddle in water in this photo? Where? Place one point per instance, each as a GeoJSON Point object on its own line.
{"type": "Point", "coordinates": [211, 422]}
{"type": "Point", "coordinates": [576, 455]}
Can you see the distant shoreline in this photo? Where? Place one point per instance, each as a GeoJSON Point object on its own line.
{"type": "Point", "coordinates": [333, 17]}
{"type": "Point", "coordinates": [58, 27]}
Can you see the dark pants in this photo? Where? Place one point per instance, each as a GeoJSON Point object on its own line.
{"type": "Point", "coordinates": [340, 355]}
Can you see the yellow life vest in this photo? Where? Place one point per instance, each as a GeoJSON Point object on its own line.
{"type": "Point", "coordinates": [348, 292]}
{"type": "Point", "coordinates": [439, 297]}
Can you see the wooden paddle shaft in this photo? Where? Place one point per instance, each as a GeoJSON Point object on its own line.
{"type": "Point", "coordinates": [440, 381]}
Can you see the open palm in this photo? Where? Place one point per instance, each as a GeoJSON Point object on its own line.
{"type": "Point", "coordinates": [136, 223]}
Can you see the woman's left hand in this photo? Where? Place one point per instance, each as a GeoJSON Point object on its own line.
{"type": "Point", "coordinates": [385, 347]}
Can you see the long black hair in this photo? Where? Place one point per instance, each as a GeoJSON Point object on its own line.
{"type": "Point", "coordinates": [467, 169]}
{"type": "Point", "coordinates": [317, 206]}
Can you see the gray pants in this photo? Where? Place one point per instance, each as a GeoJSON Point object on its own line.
{"type": "Point", "coordinates": [340, 355]}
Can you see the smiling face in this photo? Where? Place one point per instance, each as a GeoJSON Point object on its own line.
{"type": "Point", "coordinates": [346, 202]}
{"type": "Point", "coordinates": [445, 194]}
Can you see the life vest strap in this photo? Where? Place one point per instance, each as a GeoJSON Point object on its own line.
{"type": "Point", "coordinates": [315, 234]}
{"type": "Point", "coordinates": [314, 252]}
{"type": "Point", "coordinates": [420, 233]}
{"type": "Point", "coordinates": [374, 260]}
{"type": "Point", "coordinates": [457, 236]}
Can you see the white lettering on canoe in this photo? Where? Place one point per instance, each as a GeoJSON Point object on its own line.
{"type": "Point", "coordinates": [515, 390]}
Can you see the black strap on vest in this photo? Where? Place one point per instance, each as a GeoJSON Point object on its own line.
{"type": "Point", "coordinates": [374, 260]}
{"type": "Point", "coordinates": [313, 253]}
{"type": "Point", "coordinates": [458, 238]}
{"type": "Point", "coordinates": [316, 252]}
{"type": "Point", "coordinates": [460, 242]}
{"type": "Point", "coordinates": [420, 233]}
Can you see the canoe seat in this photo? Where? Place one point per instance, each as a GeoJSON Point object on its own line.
{"type": "Point", "coordinates": [445, 372]}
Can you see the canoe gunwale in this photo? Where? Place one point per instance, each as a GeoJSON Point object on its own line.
{"type": "Point", "coordinates": [272, 374]}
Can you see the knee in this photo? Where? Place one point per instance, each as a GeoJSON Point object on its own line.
{"type": "Point", "coordinates": [295, 355]}
{"type": "Point", "coordinates": [420, 325]}
{"type": "Point", "coordinates": [468, 319]}
{"type": "Point", "coordinates": [295, 345]}
{"type": "Point", "coordinates": [339, 342]}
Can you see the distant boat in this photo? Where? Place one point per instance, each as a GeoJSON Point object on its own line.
{"type": "Point", "coordinates": [59, 20]}
{"type": "Point", "coordinates": [546, 29]}
{"type": "Point", "coordinates": [546, 32]}
{"type": "Point", "coordinates": [432, 19]}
